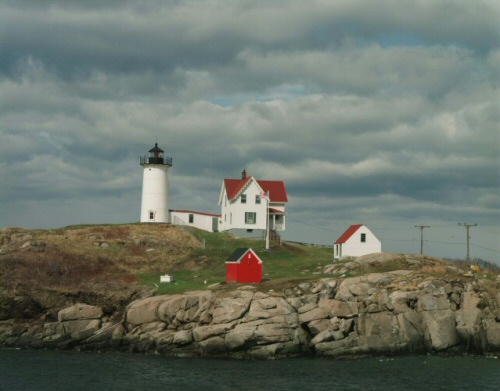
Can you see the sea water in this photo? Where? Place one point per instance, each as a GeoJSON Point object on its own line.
{"type": "Point", "coordinates": [69, 370]}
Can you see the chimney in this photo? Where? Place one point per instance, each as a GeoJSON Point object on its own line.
{"type": "Point", "coordinates": [244, 174]}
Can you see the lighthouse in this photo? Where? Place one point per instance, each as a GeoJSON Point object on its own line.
{"type": "Point", "coordinates": [154, 206]}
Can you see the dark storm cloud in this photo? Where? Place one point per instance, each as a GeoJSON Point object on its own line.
{"type": "Point", "coordinates": [368, 111]}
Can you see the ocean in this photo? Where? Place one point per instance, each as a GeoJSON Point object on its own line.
{"type": "Point", "coordinates": [69, 370]}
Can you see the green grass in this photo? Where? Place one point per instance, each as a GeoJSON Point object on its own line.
{"type": "Point", "coordinates": [282, 263]}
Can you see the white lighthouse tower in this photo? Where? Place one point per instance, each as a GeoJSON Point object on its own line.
{"type": "Point", "coordinates": [154, 206]}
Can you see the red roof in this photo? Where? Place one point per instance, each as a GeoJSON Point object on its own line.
{"type": "Point", "coordinates": [234, 186]}
{"type": "Point", "coordinates": [348, 233]}
{"type": "Point", "coordinates": [276, 189]}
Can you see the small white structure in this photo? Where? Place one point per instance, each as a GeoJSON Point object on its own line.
{"type": "Point", "coordinates": [356, 241]}
{"type": "Point", "coordinates": [166, 278]}
{"type": "Point", "coordinates": [248, 205]}
{"type": "Point", "coordinates": [205, 221]}
{"type": "Point", "coordinates": [154, 206]}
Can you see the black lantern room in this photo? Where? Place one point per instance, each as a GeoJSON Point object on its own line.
{"type": "Point", "coordinates": [156, 157]}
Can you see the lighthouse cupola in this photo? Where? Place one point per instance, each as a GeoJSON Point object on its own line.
{"type": "Point", "coordinates": [155, 197]}
{"type": "Point", "coordinates": [156, 156]}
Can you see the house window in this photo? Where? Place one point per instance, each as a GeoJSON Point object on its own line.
{"type": "Point", "coordinates": [151, 215]}
{"type": "Point", "coordinates": [191, 218]}
{"type": "Point", "coordinates": [243, 198]}
{"type": "Point", "coordinates": [363, 238]}
{"type": "Point", "coordinates": [257, 199]}
{"type": "Point", "coordinates": [250, 217]}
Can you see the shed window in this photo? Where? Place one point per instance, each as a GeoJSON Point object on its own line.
{"type": "Point", "coordinates": [363, 238]}
{"type": "Point", "coordinates": [250, 217]}
{"type": "Point", "coordinates": [243, 198]}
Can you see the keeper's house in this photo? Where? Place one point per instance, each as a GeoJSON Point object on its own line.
{"type": "Point", "coordinates": [356, 241]}
{"type": "Point", "coordinates": [248, 204]}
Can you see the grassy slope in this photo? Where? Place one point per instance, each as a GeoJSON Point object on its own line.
{"type": "Point", "coordinates": [288, 262]}
{"type": "Point", "coordinates": [110, 257]}
{"type": "Point", "coordinates": [104, 258]}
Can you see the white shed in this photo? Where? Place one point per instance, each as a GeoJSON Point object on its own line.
{"type": "Point", "coordinates": [205, 221]}
{"type": "Point", "coordinates": [356, 241]}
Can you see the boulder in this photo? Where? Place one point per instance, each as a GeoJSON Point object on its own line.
{"type": "Point", "coordinates": [213, 346]}
{"type": "Point", "coordinates": [439, 329]}
{"type": "Point", "coordinates": [269, 307]}
{"type": "Point", "coordinates": [273, 333]}
{"type": "Point", "coordinates": [403, 301]}
{"type": "Point", "coordinates": [317, 326]}
{"type": "Point", "coordinates": [436, 300]}
{"type": "Point", "coordinates": [314, 314]}
{"type": "Point", "coordinates": [492, 331]}
{"type": "Point", "coordinates": [238, 337]}
{"type": "Point", "coordinates": [359, 287]}
{"type": "Point", "coordinates": [205, 332]}
{"type": "Point", "coordinates": [411, 330]}
{"type": "Point", "coordinates": [185, 308]}
{"type": "Point", "coordinates": [232, 307]}
{"type": "Point", "coordinates": [145, 310]}
{"type": "Point", "coordinates": [78, 312]}
{"type": "Point", "coordinates": [75, 326]}
{"type": "Point", "coordinates": [341, 309]}
{"type": "Point", "coordinates": [183, 337]}
{"type": "Point", "coordinates": [468, 318]}
{"type": "Point", "coordinates": [52, 328]}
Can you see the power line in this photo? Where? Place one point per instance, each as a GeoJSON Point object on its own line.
{"type": "Point", "coordinates": [435, 241]}
{"type": "Point", "coordinates": [467, 227]}
{"type": "Point", "coordinates": [422, 227]}
{"type": "Point", "coordinates": [486, 248]}
{"type": "Point", "coordinates": [312, 226]}
{"type": "Point", "coordinates": [398, 240]}
{"type": "Point", "coordinates": [422, 236]}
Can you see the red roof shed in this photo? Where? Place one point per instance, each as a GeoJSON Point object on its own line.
{"type": "Point", "coordinates": [244, 265]}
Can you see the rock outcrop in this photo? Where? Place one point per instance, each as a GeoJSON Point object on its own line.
{"type": "Point", "coordinates": [398, 312]}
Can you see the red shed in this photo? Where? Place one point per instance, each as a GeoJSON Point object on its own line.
{"type": "Point", "coordinates": [244, 266]}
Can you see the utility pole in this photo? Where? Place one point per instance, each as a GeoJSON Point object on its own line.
{"type": "Point", "coordinates": [422, 236]}
{"type": "Point", "coordinates": [467, 227]}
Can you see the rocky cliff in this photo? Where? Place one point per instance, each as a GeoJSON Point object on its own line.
{"type": "Point", "coordinates": [406, 311]}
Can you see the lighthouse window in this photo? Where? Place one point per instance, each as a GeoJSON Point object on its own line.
{"type": "Point", "coordinates": [191, 218]}
{"type": "Point", "coordinates": [250, 217]}
{"type": "Point", "coordinates": [151, 215]}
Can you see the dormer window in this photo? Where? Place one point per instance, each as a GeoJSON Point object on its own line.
{"type": "Point", "coordinates": [243, 198]}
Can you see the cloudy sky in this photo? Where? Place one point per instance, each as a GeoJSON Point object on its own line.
{"type": "Point", "coordinates": [377, 112]}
